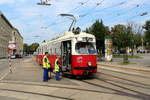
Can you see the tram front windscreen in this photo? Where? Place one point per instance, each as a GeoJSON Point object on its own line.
{"type": "Point", "coordinates": [85, 48]}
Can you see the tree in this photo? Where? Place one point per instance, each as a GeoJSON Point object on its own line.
{"type": "Point", "coordinates": [25, 48]}
{"type": "Point", "coordinates": [147, 32]}
{"type": "Point", "coordinates": [137, 33]}
{"type": "Point", "coordinates": [30, 49]}
{"type": "Point", "coordinates": [99, 30]}
{"type": "Point", "coordinates": [33, 47]}
{"type": "Point", "coordinates": [122, 38]}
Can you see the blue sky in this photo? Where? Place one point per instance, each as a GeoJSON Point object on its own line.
{"type": "Point", "coordinates": [37, 23]}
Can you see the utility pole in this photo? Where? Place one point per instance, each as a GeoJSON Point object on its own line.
{"type": "Point", "coordinates": [142, 43]}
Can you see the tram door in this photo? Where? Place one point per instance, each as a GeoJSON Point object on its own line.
{"type": "Point", "coordinates": [66, 56]}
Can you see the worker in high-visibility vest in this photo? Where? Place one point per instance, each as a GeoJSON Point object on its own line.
{"type": "Point", "coordinates": [57, 68]}
{"type": "Point", "coordinates": [46, 66]}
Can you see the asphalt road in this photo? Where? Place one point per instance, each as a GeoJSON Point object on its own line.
{"type": "Point", "coordinates": [127, 85]}
{"type": "Point", "coordinates": [145, 59]}
{"type": "Point", "coordinates": [4, 66]}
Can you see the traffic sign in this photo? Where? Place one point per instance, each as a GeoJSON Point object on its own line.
{"type": "Point", "coordinates": [11, 46]}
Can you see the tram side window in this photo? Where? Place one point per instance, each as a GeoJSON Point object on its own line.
{"type": "Point", "coordinates": [37, 51]}
{"type": "Point", "coordinates": [50, 51]}
{"type": "Point", "coordinates": [55, 50]}
{"type": "Point", "coordinates": [41, 50]}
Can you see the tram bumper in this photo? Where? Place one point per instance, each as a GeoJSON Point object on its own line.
{"type": "Point", "coordinates": [84, 70]}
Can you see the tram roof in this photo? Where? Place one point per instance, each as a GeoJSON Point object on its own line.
{"type": "Point", "coordinates": [67, 36]}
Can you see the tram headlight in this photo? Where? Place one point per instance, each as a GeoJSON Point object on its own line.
{"type": "Point", "coordinates": [89, 63]}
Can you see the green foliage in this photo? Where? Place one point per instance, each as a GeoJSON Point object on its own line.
{"type": "Point", "coordinates": [33, 47]}
{"type": "Point", "coordinates": [122, 36]}
{"type": "Point", "coordinates": [30, 49]}
{"type": "Point", "coordinates": [26, 48]}
{"type": "Point", "coordinates": [126, 63]}
{"type": "Point", "coordinates": [137, 39]}
{"type": "Point", "coordinates": [147, 32]}
{"type": "Point", "coordinates": [129, 56]}
{"type": "Point", "coordinates": [99, 30]}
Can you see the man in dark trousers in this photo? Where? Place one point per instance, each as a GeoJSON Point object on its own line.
{"type": "Point", "coordinates": [46, 66]}
{"type": "Point", "coordinates": [57, 68]}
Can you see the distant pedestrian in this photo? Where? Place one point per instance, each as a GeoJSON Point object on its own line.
{"type": "Point", "coordinates": [46, 66]}
{"type": "Point", "coordinates": [57, 68]}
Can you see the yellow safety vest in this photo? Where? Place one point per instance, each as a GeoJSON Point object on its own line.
{"type": "Point", "coordinates": [56, 66]}
{"type": "Point", "coordinates": [46, 63]}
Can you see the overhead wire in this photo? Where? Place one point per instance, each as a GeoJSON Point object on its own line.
{"type": "Point", "coordinates": [137, 14]}
{"type": "Point", "coordinates": [137, 6]}
{"type": "Point", "coordinates": [96, 11]}
{"type": "Point", "coordinates": [113, 6]}
{"type": "Point", "coordinates": [97, 4]}
{"type": "Point", "coordinates": [116, 5]}
{"type": "Point", "coordinates": [81, 3]}
{"type": "Point", "coordinates": [123, 13]}
{"type": "Point", "coordinates": [87, 13]}
{"type": "Point", "coordinates": [77, 7]}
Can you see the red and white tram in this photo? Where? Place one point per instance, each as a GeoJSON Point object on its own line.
{"type": "Point", "coordinates": [76, 50]}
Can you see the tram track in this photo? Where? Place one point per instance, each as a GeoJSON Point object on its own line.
{"type": "Point", "coordinates": [62, 87]}
{"type": "Point", "coordinates": [116, 91]}
{"type": "Point", "coordinates": [124, 79]}
{"type": "Point", "coordinates": [133, 74]}
{"type": "Point", "coordinates": [41, 94]}
{"type": "Point", "coordinates": [135, 94]}
{"type": "Point", "coordinates": [119, 87]}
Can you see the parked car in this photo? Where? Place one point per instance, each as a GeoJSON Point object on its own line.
{"type": "Point", "coordinates": [143, 51]}
{"type": "Point", "coordinates": [18, 56]}
{"type": "Point", "coordinates": [13, 57]}
{"type": "Point", "coordinates": [116, 52]}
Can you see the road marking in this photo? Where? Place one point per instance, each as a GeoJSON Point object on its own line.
{"type": "Point", "coordinates": [4, 75]}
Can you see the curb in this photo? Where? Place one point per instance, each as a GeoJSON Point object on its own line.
{"type": "Point", "coordinates": [126, 68]}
